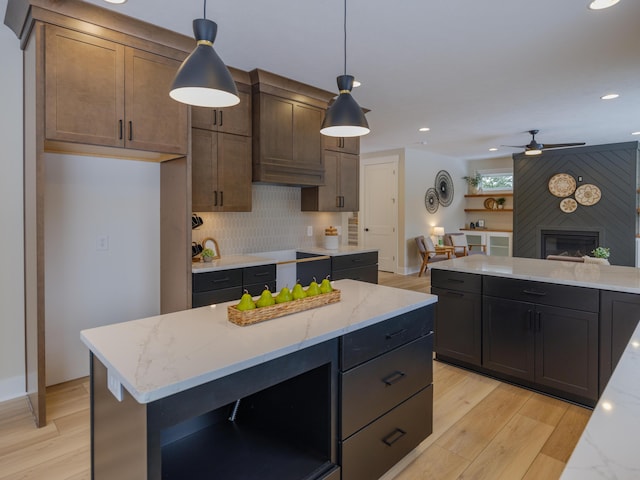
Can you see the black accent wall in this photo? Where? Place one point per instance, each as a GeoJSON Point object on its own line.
{"type": "Point", "coordinates": [612, 168]}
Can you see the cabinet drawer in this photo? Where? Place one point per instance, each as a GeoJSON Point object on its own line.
{"type": "Point", "coordinates": [577, 298]}
{"type": "Point", "coordinates": [257, 288]}
{"type": "Point", "coordinates": [376, 448]}
{"type": "Point", "coordinates": [377, 386]}
{"type": "Point", "coordinates": [261, 274]}
{"type": "Point", "coordinates": [200, 299]}
{"type": "Point", "coordinates": [217, 280]}
{"type": "Point", "coordinates": [341, 262]}
{"type": "Point", "coordinates": [464, 282]}
{"type": "Point", "coordinates": [369, 342]}
{"type": "Point", "coordinates": [367, 273]}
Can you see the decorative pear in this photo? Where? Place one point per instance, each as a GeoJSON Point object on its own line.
{"type": "Point", "coordinates": [284, 295]}
{"type": "Point", "coordinates": [297, 293]}
{"type": "Point", "coordinates": [325, 286]}
{"type": "Point", "coordinates": [246, 302]}
{"type": "Point", "coordinates": [266, 298]}
{"type": "Point", "coordinates": [313, 288]}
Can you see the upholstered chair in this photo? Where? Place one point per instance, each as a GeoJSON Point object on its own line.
{"type": "Point", "coordinates": [461, 247]}
{"type": "Point", "coordinates": [428, 253]}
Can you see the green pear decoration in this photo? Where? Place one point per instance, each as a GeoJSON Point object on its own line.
{"type": "Point", "coordinates": [284, 295]}
{"type": "Point", "coordinates": [313, 288]}
{"type": "Point", "coordinates": [297, 293]}
{"type": "Point", "coordinates": [246, 302]}
{"type": "Point", "coordinates": [266, 298]}
{"type": "Point", "coordinates": [325, 286]}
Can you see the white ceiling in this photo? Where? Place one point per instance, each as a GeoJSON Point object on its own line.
{"type": "Point", "coordinates": [478, 73]}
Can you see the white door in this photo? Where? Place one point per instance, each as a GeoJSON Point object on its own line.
{"type": "Point", "coordinates": [380, 209]}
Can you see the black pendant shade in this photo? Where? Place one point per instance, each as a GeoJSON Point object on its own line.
{"type": "Point", "coordinates": [345, 118]}
{"type": "Point", "coordinates": [203, 79]}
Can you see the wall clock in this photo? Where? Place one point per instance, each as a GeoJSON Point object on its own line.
{"type": "Point", "coordinates": [444, 187]}
{"type": "Point", "coordinates": [431, 200]}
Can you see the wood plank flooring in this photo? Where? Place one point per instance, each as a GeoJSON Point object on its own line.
{"type": "Point", "coordinates": [483, 429]}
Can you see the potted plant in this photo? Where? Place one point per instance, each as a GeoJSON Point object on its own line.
{"type": "Point", "coordinates": [601, 252]}
{"type": "Point", "coordinates": [500, 201]}
{"type": "Point", "coordinates": [474, 183]}
{"type": "Point", "coordinates": [207, 255]}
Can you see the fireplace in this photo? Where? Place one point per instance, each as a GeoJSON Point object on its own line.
{"type": "Point", "coordinates": [572, 243]}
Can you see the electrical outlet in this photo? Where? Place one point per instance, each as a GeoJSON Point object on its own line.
{"type": "Point", "coordinates": [309, 231]}
{"type": "Point", "coordinates": [102, 242]}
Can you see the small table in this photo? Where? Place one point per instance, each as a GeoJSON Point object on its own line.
{"type": "Point", "coordinates": [444, 249]}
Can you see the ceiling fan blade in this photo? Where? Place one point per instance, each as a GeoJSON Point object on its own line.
{"type": "Point", "coordinates": [514, 146]}
{"type": "Point", "coordinates": [560, 145]}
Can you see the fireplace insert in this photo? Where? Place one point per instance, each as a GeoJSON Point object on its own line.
{"type": "Point", "coordinates": [572, 243]}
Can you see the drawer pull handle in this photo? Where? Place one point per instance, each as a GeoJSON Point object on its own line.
{"type": "Point", "coordinates": [533, 292]}
{"type": "Point", "coordinates": [455, 280]}
{"type": "Point", "coordinates": [261, 274]}
{"type": "Point", "coordinates": [394, 436]}
{"type": "Point", "coordinates": [395, 377]}
{"type": "Point", "coordinates": [389, 336]}
{"type": "Point", "coordinates": [455, 294]}
{"type": "Point", "coordinates": [220, 280]}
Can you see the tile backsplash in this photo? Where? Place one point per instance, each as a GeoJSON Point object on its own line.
{"type": "Point", "coordinates": [276, 223]}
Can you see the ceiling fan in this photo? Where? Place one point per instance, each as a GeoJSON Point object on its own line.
{"type": "Point", "coordinates": [535, 148]}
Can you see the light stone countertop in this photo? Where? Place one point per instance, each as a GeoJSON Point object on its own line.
{"type": "Point", "coordinates": [341, 250]}
{"type": "Point", "coordinates": [228, 262]}
{"type": "Point", "coordinates": [608, 447]}
{"type": "Point", "coordinates": [604, 277]}
{"type": "Point", "coordinates": [159, 356]}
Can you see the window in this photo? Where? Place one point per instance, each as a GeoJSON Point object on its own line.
{"type": "Point", "coordinates": [493, 181]}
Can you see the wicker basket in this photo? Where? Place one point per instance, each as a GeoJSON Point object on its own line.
{"type": "Point", "coordinates": [249, 317]}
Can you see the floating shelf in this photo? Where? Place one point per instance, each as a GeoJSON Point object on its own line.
{"type": "Point", "coordinates": [497, 194]}
{"type": "Point", "coordinates": [487, 210]}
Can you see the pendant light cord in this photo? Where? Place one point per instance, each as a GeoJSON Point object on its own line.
{"type": "Point", "coordinates": [205, 9]}
{"type": "Point", "coordinates": [345, 37]}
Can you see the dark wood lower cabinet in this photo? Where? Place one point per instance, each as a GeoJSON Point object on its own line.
{"type": "Point", "coordinates": [279, 420]}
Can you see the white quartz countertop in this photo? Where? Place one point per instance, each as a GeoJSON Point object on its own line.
{"type": "Point", "coordinates": [231, 261]}
{"type": "Point", "coordinates": [608, 447]}
{"type": "Point", "coordinates": [159, 356]}
{"type": "Point", "coordinates": [341, 250]}
{"type": "Point", "coordinates": [604, 277]}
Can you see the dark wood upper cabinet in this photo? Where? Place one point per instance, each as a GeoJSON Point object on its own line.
{"type": "Point", "coordinates": [287, 144]}
{"type": "Point", "coordinates": [342, 144]}
{"type": "Point", "coordinates": [340, 193]}
{"type": "Point", "coordinates": [236, 119]}
{"type": "Point", "coordinates": [221, 172]}
{"type": "Point", "coordinates": [100, 92]}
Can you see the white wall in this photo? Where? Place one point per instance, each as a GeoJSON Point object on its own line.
{"type": "Point", "coordinates": [12, 370]}
{"type": "Point", "coordinates": [420, 170]}
{"type": "Point", "coordinates": [92, 204]}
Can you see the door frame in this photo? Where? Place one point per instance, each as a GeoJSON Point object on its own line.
{"type": "Point", "coordinates": [394, 159]}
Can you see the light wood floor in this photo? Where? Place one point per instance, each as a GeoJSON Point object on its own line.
{"type": "Point", "coordinates": [482, 429]}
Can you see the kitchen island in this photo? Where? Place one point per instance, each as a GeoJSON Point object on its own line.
{"type": "Point", "coordinates": [557, 327]}
{"type": "Point", "coordinates": [191, 395]}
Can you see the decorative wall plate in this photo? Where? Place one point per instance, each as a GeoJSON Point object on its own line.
{"type": "Point", "coordinates": [562, 185]}
{"type": "Point", "coordinates": [588, 194]}
{"type": "Point", "coordinates": [568, 205]}
{"type": "Point", "coordinates": [444, 187]}
{"type": "Point", "coordinates": [490, 203]}
{"type": "Point", "coordinates": [431, 200]}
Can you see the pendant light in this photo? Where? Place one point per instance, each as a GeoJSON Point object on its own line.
{"type": "Point", "coordinates": [345, 118]}
{"type": "Point", "coordinates": [203, 79]}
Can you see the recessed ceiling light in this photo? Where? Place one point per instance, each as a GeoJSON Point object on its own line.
{"type": "Point", "coordinates": [424, 129]}
{"type": "Point", "coordinates": [635, 133]}
{"type": "Point", "coordinates": [356, 84]}
{"type": "Point", "coordinates": [609, 96]}
{"type": "Point", "coordinates": [602, 4]}
{"type": "Point", "coordinates": [493, 149]}
{"type": "Point", "coordinates": [116, 1]}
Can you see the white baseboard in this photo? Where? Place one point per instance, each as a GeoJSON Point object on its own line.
{"type": "Point", "coordinates": [11, 388]}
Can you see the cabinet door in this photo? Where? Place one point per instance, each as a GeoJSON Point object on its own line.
{"type": "Point", "coordinates": [84, 88]}
{"type": "Point", "coordinates": [508, 337]}
{"type": "Point", "coordinates": [276, 130]}
{"type": "Point", "coordinates": [234, 173]}
{"type": "Point", "coordinates": [458, 325]}
{"type": "Point", "coordinates": [567, 350]}
{"type": "Point", "coordinates": [153, 121]}
{"type": "Point", "coordinates": [236, 119]}
{"type": "Point", "coordinates": [342, 144]}
{"type": "Point", "coordinates": [204, 170]}
{"type": "Point", "coordinates": [349, 177]}
{"type": "Point", "coordinates": [307, 144]}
